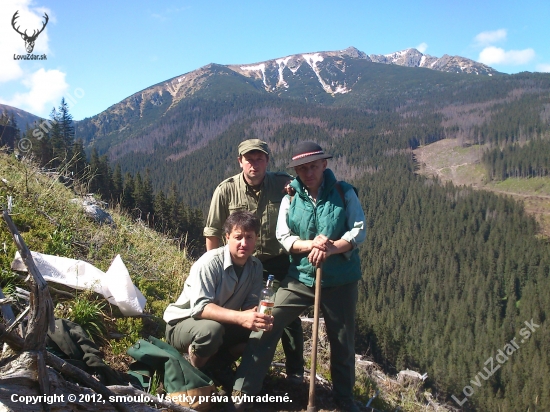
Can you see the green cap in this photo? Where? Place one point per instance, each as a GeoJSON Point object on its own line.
{"type": "Point", "coordinates": [253, 144]}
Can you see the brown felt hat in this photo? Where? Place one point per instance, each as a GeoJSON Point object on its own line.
{"type": "Point", "coordinates": [306, 152]}
{"type": "Point", "coordinates": [253, 144]}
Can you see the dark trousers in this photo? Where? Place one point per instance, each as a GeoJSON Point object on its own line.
{"type": "Point", "coordinates": [206, 337]}
{"type": "Point", "coordinates": [338, 305]}
{"type": "Point", "coordinates": [292, 338]}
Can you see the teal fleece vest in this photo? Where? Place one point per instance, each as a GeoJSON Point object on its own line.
{"type": "Point", "coordinates": [326, 217]}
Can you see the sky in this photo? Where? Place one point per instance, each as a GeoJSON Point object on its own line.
{"type": "Point", "coordinates": [98, 53]}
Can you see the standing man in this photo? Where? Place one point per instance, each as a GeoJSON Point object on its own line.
{"type": "Point", "coordinates": [260, 192]}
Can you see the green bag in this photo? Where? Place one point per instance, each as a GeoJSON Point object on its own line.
{"type": "Point", "coordinates": [179, 376]}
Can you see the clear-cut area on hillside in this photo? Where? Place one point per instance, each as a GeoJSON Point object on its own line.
{"type": "Point", "coordinates": [449, 160]}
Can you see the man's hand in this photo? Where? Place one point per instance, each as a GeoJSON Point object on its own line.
{"type": "Point", "coordinates": [320, 242]}
{"type": "Point", "coordinates": [321, 248]}
{"type": "Point", "coordinates": [255, 321]}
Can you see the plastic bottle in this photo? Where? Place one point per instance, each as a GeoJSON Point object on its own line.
{"type": "Point", "coordinates": [267, 297]}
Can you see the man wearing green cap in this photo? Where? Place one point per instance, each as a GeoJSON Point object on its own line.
{"type": "Point", "coordinates": [260, 192]}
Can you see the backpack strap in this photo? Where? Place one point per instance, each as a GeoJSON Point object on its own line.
{"type": "Point", "coordinates": [341, 192]}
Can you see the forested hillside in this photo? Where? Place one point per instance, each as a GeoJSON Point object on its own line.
{"type": "Point", "coordinates": [450, 275]}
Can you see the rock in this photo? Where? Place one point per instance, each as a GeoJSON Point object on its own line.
{"type": "Point", "coordinates": [92, 209]}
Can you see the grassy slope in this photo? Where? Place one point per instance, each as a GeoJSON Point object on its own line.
{"type": "Point", "coordinates": [50, 223]}
{"type": "Point", "coordinates": [449, 161]}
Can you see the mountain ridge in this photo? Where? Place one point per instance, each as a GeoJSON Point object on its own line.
{"type": "Point", "coordinates": [186, 84]}
{"type": "Point", "coordinates": [408, 58]}
{"type": "Point", "coordinates": [22, 117]}
{"type": "Point", "coordinates": [345, 78]}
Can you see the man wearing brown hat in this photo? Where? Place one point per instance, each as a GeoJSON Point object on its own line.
{"type": "Point", "coordinates": [260, 192]}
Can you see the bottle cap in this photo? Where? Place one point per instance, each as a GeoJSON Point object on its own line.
{"type": "Point", "coordinates": [270, 277]}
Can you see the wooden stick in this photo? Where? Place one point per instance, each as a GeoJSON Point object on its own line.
{"type": "Point", "coordinates": [19, 319]}
{"type": "Point", "coordinates": [315, 338]}
{"type": "Point", "coordinates": [41, 310]}
{"type": "Point", "coordinates": [83, 378]}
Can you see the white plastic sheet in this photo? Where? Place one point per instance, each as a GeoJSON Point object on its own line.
{"type": "Point", "coordinates": [115, 285]}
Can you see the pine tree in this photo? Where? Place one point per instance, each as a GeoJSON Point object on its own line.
{"type": "Point", "coordinates": [95, 179]}
{"type": "Point", "coordinates": [13, 123]}
{"type": "Point", "coordinates": [175, 217]}
{"type": "Point", "coordinates": [118, 185]}
{"type": "Point", "coordinates": [162, 212]}
{"type": "Point", "coordinates": [128, 199]}
{"type": "Point", "coordinates": [66, 127]}
{"type": "Point", "coordinates": [106, 178]}
{"type": "Point", "coordinates": [143, 194]}
{"type": "Point", "coordinates": [59, 149]}
{"type": "Point", "coordinates": [148, 197]}
{"type": "Point", "coordinates": [143, 197]}
{"type": "Point", "coordinates": [78, 164]}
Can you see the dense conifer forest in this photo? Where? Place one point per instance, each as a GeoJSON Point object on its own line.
{"type": "Point", "coordinates": [450, 276]}
{"type": "Point", "coordinates": [528, 161]}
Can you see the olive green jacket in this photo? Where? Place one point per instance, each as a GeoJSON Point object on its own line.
{"type": "Point", "coordinates": [235, 194]}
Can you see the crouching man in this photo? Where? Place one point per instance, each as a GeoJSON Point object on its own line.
{"type": "Point", "coordinates": [215, 313]}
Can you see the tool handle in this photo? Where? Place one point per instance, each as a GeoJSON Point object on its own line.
{"type": "Point", "coordinates": [315, 338]}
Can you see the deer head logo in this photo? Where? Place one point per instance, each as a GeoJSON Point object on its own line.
{"type": "Point", "coordinates": [29, 40]}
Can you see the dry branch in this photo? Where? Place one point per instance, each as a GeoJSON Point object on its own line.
{"type": "Point", "coordinates": [17, 343]}
{"type": "Point", "coordinates": [41, 313]}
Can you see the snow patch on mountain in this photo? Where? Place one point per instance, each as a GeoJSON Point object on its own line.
{"type": "Point", "coordinates": [261, 68]}
{"type": "Point", "coordinates": [282, 63]}
{"type": "Point", "coordinates": [312, 60]}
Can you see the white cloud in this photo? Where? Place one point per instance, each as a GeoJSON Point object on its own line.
{"type": "Point", "coordinates": [9, 69]}
{"type": "Point", "coordinates": [495, 55]}
{"type": "Point", "coordinates": [422, 47]}
{"type": "Point", "coordinates": [489, 37]}
{"type": "Point", "coordinates": [543, 67]}
{"type": "Point", "coordinates": [46, 87]}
